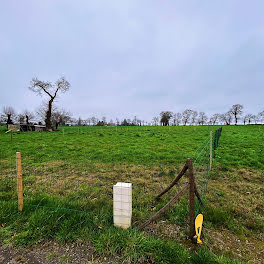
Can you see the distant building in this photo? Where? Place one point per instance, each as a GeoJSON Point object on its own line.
{"type": "Point", "coordinates": [26, 128]}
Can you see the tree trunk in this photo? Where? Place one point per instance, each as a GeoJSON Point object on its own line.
{"type": "Point", "coordinates": [27, 119]}
{"type": "Point", "coordinates": [235, 119]}
{"type": "Point", "coordinates": [48, 115]}
{"type": "Point", "coordinates": [9, 121]}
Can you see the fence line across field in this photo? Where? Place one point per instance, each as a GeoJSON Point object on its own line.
{"type": "Point", "coordinates": [45, 184]}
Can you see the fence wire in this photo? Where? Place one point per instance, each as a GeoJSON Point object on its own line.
{"type": "Point", "coordinates": [71, 182]}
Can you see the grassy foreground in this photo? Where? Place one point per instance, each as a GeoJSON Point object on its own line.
{"type": "Point", "coordinates": [77, 171]}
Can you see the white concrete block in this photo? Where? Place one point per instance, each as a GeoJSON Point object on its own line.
{"type": "Point", "coordinates": [126, 198]}
{"type": "Point", "coordinates": [123, 188]}
{"type": "Point", "coordinates": [118, 212]}
{"type": "Point", "coordinates": [117, 197]}
{"type": "Point", "coordinates": [117, 205]}
{"type": "Point", "coordinates": [122, 204]}
{"type": "Point", "coordinates": [122, 221]}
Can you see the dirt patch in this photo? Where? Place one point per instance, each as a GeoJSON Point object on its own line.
{"type": "Point", "coordinates": [51, 252]}
{"type": "Point", "coordinates": [240, 247]}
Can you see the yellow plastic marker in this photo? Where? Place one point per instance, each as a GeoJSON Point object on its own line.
{"type": "Point", "coordinates": [198, 227]}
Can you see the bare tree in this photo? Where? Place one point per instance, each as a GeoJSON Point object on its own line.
{"type": "Point", "coordinates": [155, 121]}
{"type": "Point", "coordinates": [255, 118]}
{"type": "Point", "coordinates": [244, 119]}
{"type": "Point", "coordinates": [179, 118]}
{"type": "Point", "coordinates": [79, 122]}
{"type": "Point", "coordinates": [194, 117]}
{"type": "Point", "coordinates": [104, 120]}
{"type": "Point", "coordinates": [236, 111]}
{"type": "Point", "coordinates": [247, 118]}
{"type": "Point", "coordinates": [214, 119]}
{"type": "Point", "coordinates": [88, 121]}
{"type": "Point", "coordinates": [261, 116]}
{"type": "Point", "coordinates": [202, 119]}
{"type": "Point", "coordinates": [94, 120]}
{"type": "Point", "coordinates": [227, 117]}
{"type": "Point", "coordinates": [51, 90]}
{"type": "Point", "coordinates": [21, 118]}
{"type": "Point", "coordinates": [41, 111]}
{"type": "Point", "coordinates": [165, 117]}
{"type": "Point", "coordinates": [8, 114]}
{"type": "Point", "coordinates": [60, 117]}
{"type": "Point", "coordinates": [174, 119]}
{"type": "Point", "coordinates": [186, 115]}
{"type": "Point", "coordinates": [28, 115]}
{"type": "Point", "coordinates": [135, 121]}
{"type": "Point", "coordinates": [111, 122]}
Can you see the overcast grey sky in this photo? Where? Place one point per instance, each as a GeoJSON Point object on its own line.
{"type": "Point", "coordinates": [125, 58]}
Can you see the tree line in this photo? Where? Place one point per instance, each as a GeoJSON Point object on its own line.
{"type": "Point", "coordinates": [51, 116]}
{"type": "Point", "coordinates": [192, 117]}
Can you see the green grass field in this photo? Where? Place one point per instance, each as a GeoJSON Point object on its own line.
{"type": "Point", "coordinates": [68, 184]}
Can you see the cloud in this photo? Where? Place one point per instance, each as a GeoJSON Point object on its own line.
{"type": "Point", "coordinates": [134, 57]}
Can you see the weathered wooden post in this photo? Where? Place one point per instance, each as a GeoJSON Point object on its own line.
{"type": "Point", "coordinates": [19, 181]}
{"type": "Point", "coordinates": [191, 198]}
{"type": "Point", "coordinates": [211, 149]}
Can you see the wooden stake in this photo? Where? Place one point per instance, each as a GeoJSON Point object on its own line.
{"type": "Point", "coordinates": [211, 149]}
{"type": "Point", "coordinates": [19, 181]}
{"type": "Point", "coordinates": [191, 198]}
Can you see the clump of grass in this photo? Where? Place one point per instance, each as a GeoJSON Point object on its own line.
{"type": "Point", "coordinates": [51, 255]}
{"type": "Point", "coordinates": [218, 216]}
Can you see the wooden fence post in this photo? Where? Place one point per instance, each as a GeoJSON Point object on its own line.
{"type": "Point", "coordinates": [211, 149]}
{"type": "Point", "coordinates": [19, 181]}
{"type": "Point", "coordinates": [191, 198]}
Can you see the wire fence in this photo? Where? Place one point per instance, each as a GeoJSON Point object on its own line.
{"type": "Point", "coordinates": [75, 183]}
{"type": "Point", "coordinates": [202, 164]}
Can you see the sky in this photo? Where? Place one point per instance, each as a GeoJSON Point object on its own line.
{"type": "Point", "coordinates": [129, 58]}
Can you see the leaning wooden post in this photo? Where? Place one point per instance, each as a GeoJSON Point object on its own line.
{"type": "Point", "coordinates": [211, 149]}
{"type": "Point", "coordinates": [191, 199]}
{"type": "Point", "coordinates": [19, 181]}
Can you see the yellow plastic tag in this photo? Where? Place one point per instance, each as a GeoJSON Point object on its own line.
{"type": "Point", "coordinates": [198, 227]}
